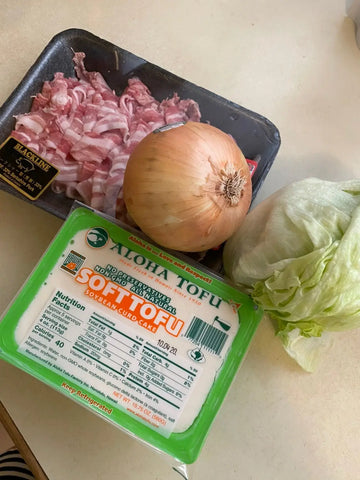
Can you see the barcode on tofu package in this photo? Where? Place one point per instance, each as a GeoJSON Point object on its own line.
{"type": "Point", "coordinates": [141, 337]}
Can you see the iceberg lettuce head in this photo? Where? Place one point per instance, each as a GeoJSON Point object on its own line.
{"type": "Point", "coordinates": [298, 254]}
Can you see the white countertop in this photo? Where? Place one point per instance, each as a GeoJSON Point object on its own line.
{"type": "Point", "coordinates": [297, 64]}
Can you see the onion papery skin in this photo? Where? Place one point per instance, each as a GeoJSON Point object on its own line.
{"type": "Point", "coordinates": [175, 187]}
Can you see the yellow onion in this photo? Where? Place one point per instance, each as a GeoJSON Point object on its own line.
{"type": "Point", "coordinates": [188, 188]}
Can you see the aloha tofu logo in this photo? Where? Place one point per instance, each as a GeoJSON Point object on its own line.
{"type": "Point", "coordinates": [97, 237]}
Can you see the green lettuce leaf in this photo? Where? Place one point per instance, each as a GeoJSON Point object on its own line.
{"type": "Point", "coordinates": [298, 254]}
{"type": "Point", "coordinates": [306, 351]}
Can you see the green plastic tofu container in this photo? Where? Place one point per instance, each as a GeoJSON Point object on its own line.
{"type": "Point", "coordinates": [148, 340]}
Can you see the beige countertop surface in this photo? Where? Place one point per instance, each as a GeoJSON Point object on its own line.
{"type": "Point", "coordinates": [297, 64]}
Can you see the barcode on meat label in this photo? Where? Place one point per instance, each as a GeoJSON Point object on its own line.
{"type": "Point", "coordinates": [206, 336]}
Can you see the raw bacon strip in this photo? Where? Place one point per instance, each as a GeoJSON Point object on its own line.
{"type": "Point", "coordinates": [33, 123]}
{"type": "Point", "coordinates": [91, 147]}
{"type": "Point", "coordinates": [112, 121]}
{"type": "Point", "coordinates": [175, 110]}
{"type": "Point", "coordinates": [98, 189]}
{"type": "Point", "coordinates": [88, 132]}
{"type": "Point", "coordinates": [93, 78]}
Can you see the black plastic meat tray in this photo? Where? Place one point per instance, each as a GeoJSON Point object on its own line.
{"type": "Point", "coordinates": [255, 134]}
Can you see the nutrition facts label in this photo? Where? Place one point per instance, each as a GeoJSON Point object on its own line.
{"type": "Point", "coordinates": [112, 359]}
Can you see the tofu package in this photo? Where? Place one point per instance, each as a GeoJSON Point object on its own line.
{"type": "Point", "coordinates": [148, 340]}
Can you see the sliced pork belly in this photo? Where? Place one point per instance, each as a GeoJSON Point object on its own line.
{"type": "Point", "coordinates": [87, 131]}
